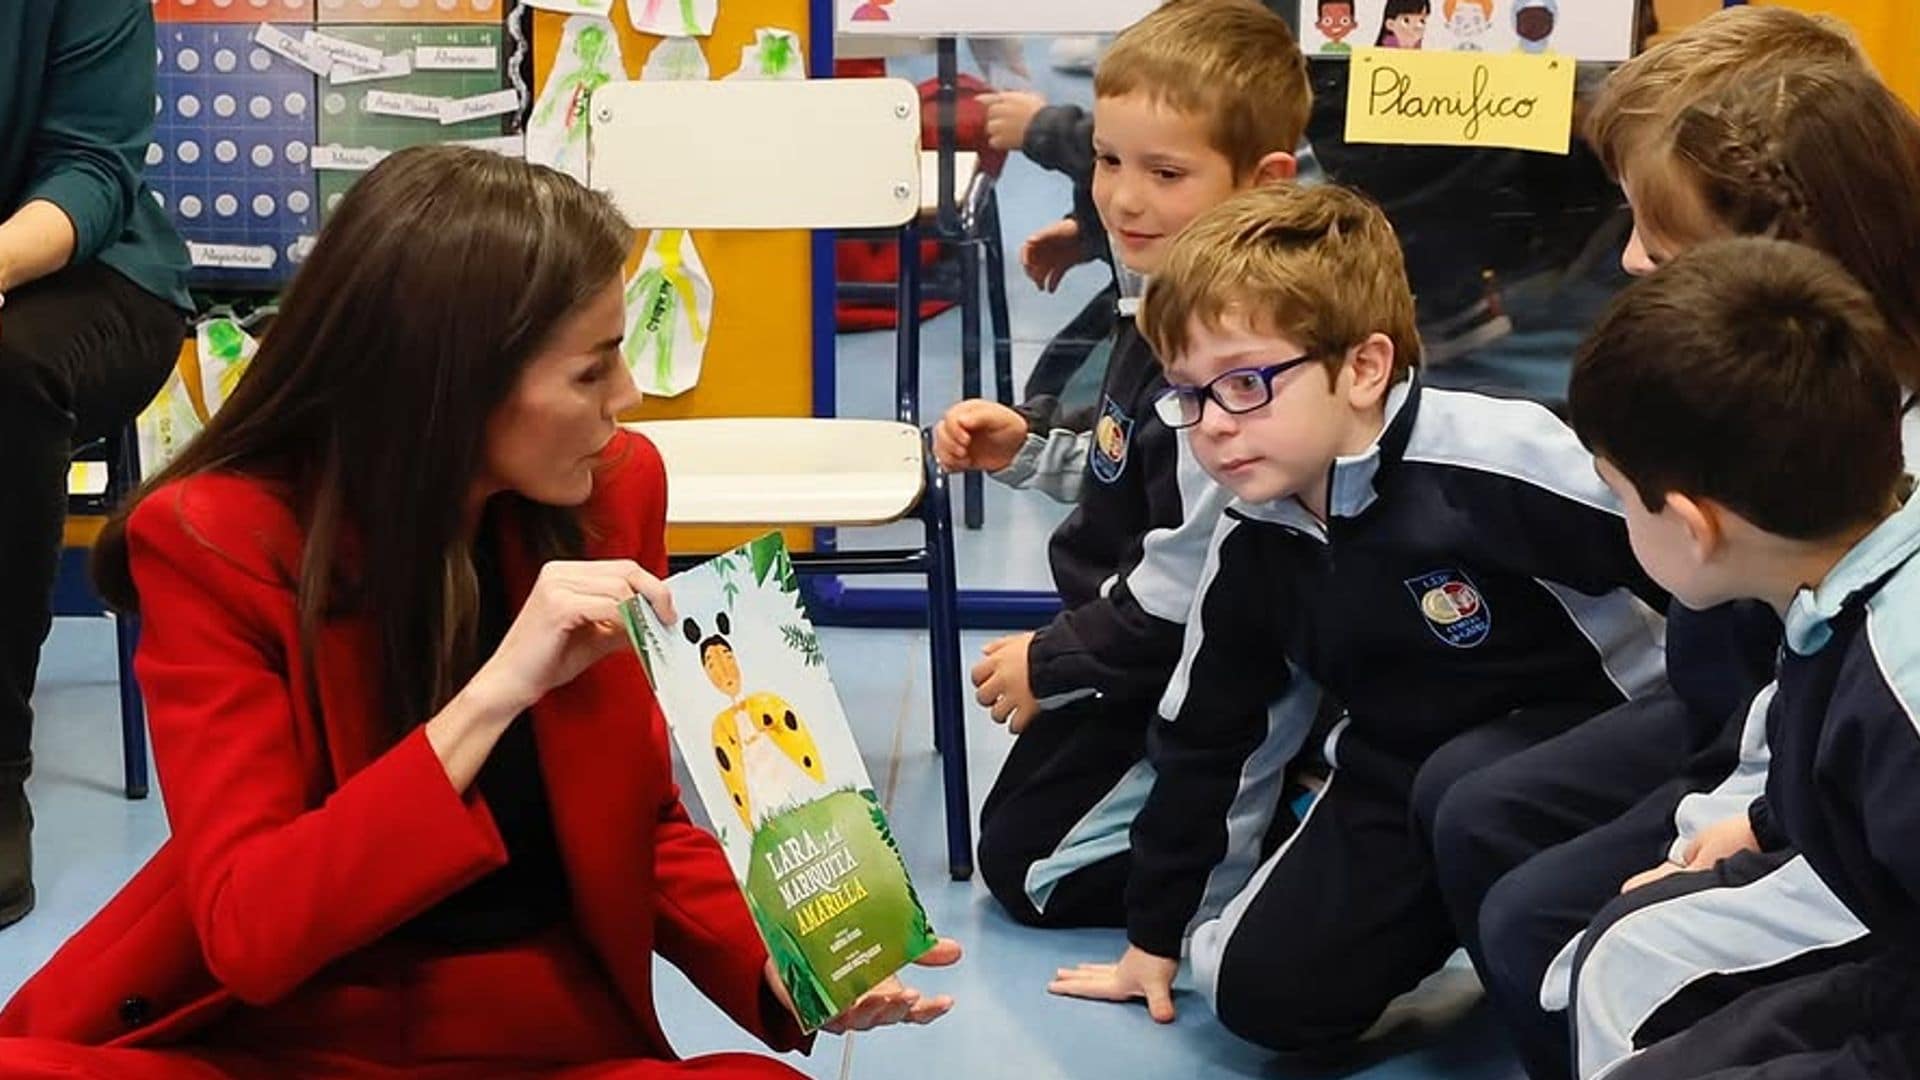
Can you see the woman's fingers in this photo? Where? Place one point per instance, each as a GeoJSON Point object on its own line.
{"type": "Point", "coordinates": [945, 953]}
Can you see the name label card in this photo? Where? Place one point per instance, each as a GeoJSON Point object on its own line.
{"type": "Point", "coordinates": [1509, 100]}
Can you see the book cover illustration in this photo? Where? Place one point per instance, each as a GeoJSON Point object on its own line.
{"type": "Point", "coordinates": [745, 690]}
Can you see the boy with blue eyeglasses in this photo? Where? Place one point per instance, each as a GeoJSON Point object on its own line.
{"type": "Point", "coordinates": [1447, 566]}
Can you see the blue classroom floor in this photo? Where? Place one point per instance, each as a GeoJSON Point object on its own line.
{"type": "Point", "coordinates": [89, 839]}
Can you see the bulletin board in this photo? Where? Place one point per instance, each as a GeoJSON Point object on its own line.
{"type": "Point", "coordinates": [759, 358]}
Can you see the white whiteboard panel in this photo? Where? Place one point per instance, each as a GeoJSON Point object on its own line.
{"type": "Point", "coordinates": [985, 18]}
{"type": "Point", "coordinates": [750, 154]}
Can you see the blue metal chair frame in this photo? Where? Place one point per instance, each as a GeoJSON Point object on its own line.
{"type": "Point", "coordinates": [74, 597]}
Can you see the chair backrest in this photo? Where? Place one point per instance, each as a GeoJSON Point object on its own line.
{"type": "Point", "coordinates": [759, 154]}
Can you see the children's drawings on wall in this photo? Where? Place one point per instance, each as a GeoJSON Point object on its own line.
{"type": "Point", "coordinates": [988, 17]}
{"type": "Point", "coordinates": [677, 59]}
{"type": "Point", "coordinates": [774, 54]}
{"type": "Point", "coordinates": [1588, 30]}
{"type": "Point", "coordinates": [589, 58]}
{"type": "Point", "coordinates": [602, 8]}
{"type": "Point", "coordinates": [674, 18]}
{"type": "Point", "coordinates": [669, 315]}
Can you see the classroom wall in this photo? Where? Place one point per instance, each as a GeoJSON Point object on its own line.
{"type": "Point", "coordinates": [1890, 30]}
{"type": "Point", "coordinates": [759, 360]}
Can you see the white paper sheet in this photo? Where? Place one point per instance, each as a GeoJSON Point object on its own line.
{"type": "Point", "coordinates": [673, 18]}
{"type": "Point", "coordinates": [589, 58]}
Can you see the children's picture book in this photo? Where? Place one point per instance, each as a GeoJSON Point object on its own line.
{"type": "Point", "coordinates": [744, 687]}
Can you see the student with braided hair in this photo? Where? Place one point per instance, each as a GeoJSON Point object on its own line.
{"type": "Point", "coordinates": [1822, 154]}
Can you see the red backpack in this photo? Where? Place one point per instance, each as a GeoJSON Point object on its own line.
{"type": "Point", "coordinates": [877, 261]}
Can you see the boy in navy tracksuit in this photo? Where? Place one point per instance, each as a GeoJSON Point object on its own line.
{"type": "Point", "coordinates": [1196, 101]}
{"type": "Point", "coordinates": [1445, 565]}
{"type": "Point", "coordinates": [1742, 404]}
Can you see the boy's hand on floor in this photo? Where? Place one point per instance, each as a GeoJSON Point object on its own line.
{"type": "Point", "coordinates": [1139, 974]}
{"type": "Point", "coordinates": [1009, 115]}
{"type": "Point", "coordinates": [1002, 683]}
{"type": "Point", "coordinates": [978, 434]}
{"type": "Point", "coordinates": [1052, 251]}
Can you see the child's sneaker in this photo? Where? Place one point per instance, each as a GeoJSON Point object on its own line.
{"type": "Point", "coordinates": [1457, 335]}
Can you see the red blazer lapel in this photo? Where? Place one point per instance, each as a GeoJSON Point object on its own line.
{"type": "Point", "coordinates": [351, 727]}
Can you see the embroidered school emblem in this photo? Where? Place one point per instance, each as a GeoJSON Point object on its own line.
{"type": "Point", "coordinates": [1455, 611]}
{"type": "Point", "coordinates": [1111, 436]}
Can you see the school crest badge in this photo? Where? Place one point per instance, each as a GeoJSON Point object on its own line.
{"type": "Point", "coordinates": [1453, 607]}
{"type": "Point", "coordinates": [1112, 435]}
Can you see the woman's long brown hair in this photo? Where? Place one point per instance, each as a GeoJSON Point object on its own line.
{"type": "Point", "coordinates": [436, 280]}
{"type": "Point", "coordinates": [1820, 154]}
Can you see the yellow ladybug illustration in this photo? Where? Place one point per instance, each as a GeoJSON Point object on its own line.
{"type": "Point", "coordinates": [760, 743]}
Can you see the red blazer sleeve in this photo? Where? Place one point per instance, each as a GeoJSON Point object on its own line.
{"type": "Point", "coordinates": [279, 881]}
{"type": "Point", "coordinates": [702, 926]}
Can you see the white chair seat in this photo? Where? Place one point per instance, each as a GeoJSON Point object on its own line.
{"type": "Point", "coordinates": [966, 165]}
{"type": "Point", "coordinates": [780, 471]}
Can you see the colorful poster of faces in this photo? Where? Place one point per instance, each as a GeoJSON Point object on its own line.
{"type": "Point", "coordinates": [1581, 29]}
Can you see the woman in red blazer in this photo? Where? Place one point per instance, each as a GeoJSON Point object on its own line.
{"type": "Point", "coordinates": [424, 822]}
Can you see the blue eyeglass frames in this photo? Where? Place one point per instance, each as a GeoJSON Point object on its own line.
{"type": "Point", "coordinates": [1241, 390]}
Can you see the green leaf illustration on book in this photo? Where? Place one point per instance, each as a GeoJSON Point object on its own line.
{"type": "Point", "coordinates": [805, 642]}
{"type": "Point", "coordinates": [743, 682]}
{"type": "Point", "coordinates": [828, 878]}
{"type": "Point", "coordinates": [765, 554]}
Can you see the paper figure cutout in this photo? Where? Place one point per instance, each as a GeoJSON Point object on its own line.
{"type": "Point", "coordinates": [1336, 22]}
{"type": "Point", "coordinates": [678, 59]}
{"type": "Point", "coordinates": [1405, 24]}
{"type": "Point", "coordinates": [1533, 23]}
{"type": "Point", "coordinates": [669, 311]}
{"type": "Point", "coordinates": [600, 8]}
{"type": "Point", "coordinates": [774, 54]}
{"type": "Point", "coordinates": [1467, 21]}
{"type": "Point", "coordinates": [589, 58]}
{"type": "Point", "coordinates": [673, 18]}
{"type": "Point", "coordinates": [872, 11]}
{"type": "Point", "coordinates": [166, 425]}
{"type": "Point", "coordinates": [224, 351]}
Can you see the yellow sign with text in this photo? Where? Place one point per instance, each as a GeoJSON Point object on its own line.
{"type": "Point", "coordinates": [1461, 99]}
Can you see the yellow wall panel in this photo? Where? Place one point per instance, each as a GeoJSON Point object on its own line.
{"type": "Point", "coordinates": [1890, 31]}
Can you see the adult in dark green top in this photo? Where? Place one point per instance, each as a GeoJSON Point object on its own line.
{"type": "Point", "coordinates": [92, 310]}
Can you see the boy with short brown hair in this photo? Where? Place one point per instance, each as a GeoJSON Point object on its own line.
{"type": "Point", "coordinates": [1445, 565]}
{"type": "Point", "coordinates": [1744, 406]}
{"type": "Point", "coordinates": [1200, 99]}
